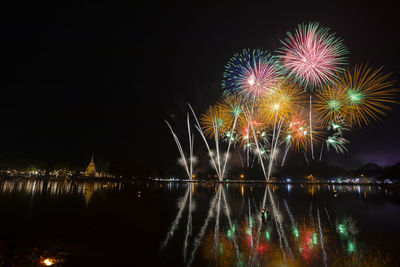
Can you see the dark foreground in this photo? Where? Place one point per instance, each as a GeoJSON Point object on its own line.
{"type": "Point", "coordinates": [135, 224]}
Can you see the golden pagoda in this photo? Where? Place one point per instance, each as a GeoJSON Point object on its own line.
{"type": "Point", "coordinates": [91, 169]}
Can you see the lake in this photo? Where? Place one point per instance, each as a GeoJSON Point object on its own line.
{"type": "Point", "coordinates": [80, 223]}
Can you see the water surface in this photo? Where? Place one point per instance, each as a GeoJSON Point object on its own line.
{"type": "Point", "coordinates": [110, 224]}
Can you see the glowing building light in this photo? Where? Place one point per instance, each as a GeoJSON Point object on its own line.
{"type": "Point", "coordinates": [48, 262]}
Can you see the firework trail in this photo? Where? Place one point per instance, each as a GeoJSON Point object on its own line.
{"type": "Point", "coordinates": [188, 227]}
{"type": "Point", "coordinates": [320, 154]}
{"type": "Point", "coordinates": [253, 251]}
{"type": "Point", "coordinates": [290, 214]}
{"type": "Point", "coordinates": [228, 215]}
{"type": "Point", "coordinates": [175, 224]}
{"type": "Point", "coordinates": [202, 230]}
{"type": "Point", "coordinates": [255, 140]}
{"type": "Point", "coordinates": [198, 127]}
{"type": "Point", "coordinates": [284, 155]}
{"type": "Point", "coordinates": [311, 132]}
{"type": "Point", "coordinates": [321, 239]}
{"type": "Point", "coordinates": [218, 163]}
{"type": "Point", "coordinates": [327, 215]}
{"type": "Point", "coordinates": [273, 149]}
{"type": "Point", "coordinates": [229, 144]}
{"type": "Point", "coordinates": [305, 156]}
{"type": "Point", "coordinates": [337, 143]}
{"type": "Point", "coordinates": [191, 139]}
{"type": "Point", "coordinates": [216, 230]}
{"type": "Point", "coordinates": [250, 225]}
{"type": "Point", "coordinates": [279, 227]}
{"type": "Point", "coordinates": [189, 170]}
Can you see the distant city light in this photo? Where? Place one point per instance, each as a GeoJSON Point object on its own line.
{"type": "Point", "coordinates": [48, 262]}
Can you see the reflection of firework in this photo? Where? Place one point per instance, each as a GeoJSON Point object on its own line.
{"type": "Point", "coordinates": [251, 73]}
{"type": "Point", "coordinates": [312, 55]}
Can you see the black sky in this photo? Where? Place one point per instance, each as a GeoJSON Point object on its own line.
{"type": "Point", "coordinates": [83, 78]}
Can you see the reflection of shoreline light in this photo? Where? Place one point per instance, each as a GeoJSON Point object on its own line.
{"type": "Point", "coordinates": [38, 187]}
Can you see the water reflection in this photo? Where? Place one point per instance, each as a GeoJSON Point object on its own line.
{"type": "Point", "coordinates": [275, 237]}
{"type": "Point", "coordinates": [56, 188]}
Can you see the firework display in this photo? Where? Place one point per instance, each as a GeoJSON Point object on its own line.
{"type": "Point", "coordinates": [312, 56]}
{"type": "Point", "coordinates": [305, 98]}
{"type": "Point", "coordinates": [252, 73]}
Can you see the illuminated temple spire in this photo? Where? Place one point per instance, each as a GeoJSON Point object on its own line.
{"type": "Point", "coordinates": [91, 169]}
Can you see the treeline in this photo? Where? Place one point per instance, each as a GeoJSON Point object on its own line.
{"type": "Point", "coordinates": [125, 168]}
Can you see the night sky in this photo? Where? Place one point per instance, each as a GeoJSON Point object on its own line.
{"type": "Point", "coordinates": [101, 78]}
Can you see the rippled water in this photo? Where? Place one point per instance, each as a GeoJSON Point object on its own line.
{"type": "Point", "coordinates": [177, 224]}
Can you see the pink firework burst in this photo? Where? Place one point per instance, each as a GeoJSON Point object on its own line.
{"type": "Point", "coordinates": [313, 56]}
{"type": "Point", "coordinates": [252, 73]}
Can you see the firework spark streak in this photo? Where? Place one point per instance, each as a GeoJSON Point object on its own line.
{"type": "Point", "coordinates": [273, 149]}
{"type": "Point", "coordinates": [228, 215]}
{"type": "Point", "coordinates": [312, 147]}
{"type": "Point", "coordinates": [198, 127]}
{"type": "Point", "coordinates": [175, 224]}
{"type": "Point", "coordinates": [327, 215]}
{"type": "Point", "coordinates": [321, 239]}
{"type": "Point", "coordinates": [189, 170]}
{"type": "Point", "coordinates": [200, 236]}
{"type": "Point", "coordinates": [216, 230]}
{"type": "Point", "coordinates": [188, 226]}
{"type": "Point", "coordinates": [279, 227]}
{"type": "Point", "coordinates": [290, 214]}
{"type": "Point", "coordinates": [219, 166]}
{"type": "Point", "coordinates": [249, 118]}
{"type": "Point", "coordinates": [250, 225]}
{"type": "Point", "coordinates": [284, 155]}
{"type": "Point", "coordinates": [253, 251]}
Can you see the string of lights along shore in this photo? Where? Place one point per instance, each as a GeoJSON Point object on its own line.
{"type": "Point", "coordinates": [303, 98]}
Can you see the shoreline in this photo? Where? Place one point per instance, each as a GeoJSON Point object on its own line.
{"type": "Point", "coordinates": [106, 179]}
